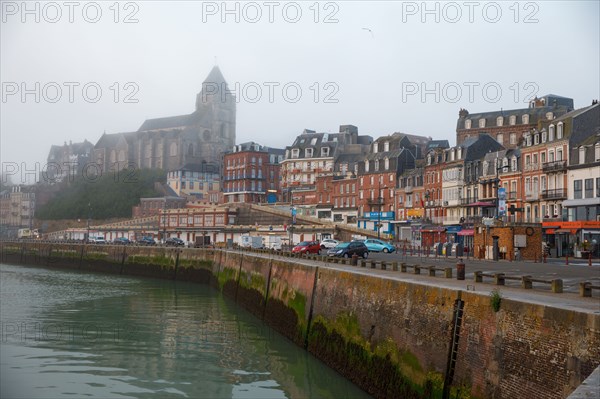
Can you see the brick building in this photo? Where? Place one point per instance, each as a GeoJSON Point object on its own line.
{"type": "Point", "coordinates": [251, 173]}
{"type": "Point", "coordinates": [189, 224]}
{"type": "Point", "coordinates": [508, 127]}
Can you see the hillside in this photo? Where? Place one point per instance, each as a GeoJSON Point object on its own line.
{"type": "Point", "coordinates": [103, 198]}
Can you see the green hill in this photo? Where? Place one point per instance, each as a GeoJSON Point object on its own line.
{"type": "Point", "coordinates": [108, 196]}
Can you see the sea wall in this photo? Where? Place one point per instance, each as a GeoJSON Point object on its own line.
{"type": "Point", "coordinates": [390, 337]}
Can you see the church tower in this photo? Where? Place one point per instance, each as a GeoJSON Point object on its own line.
{"type": "Point", "coordinates": [219, 102]}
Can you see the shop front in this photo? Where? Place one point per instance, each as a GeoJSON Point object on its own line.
{"type": "Point", "coordinates": [578, 239]}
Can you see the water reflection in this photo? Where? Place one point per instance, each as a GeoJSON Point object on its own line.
{"type": "Point", "coordinates": [69, 334]}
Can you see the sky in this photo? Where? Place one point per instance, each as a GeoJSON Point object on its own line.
{"type": "Point", "coordinates": [73, 70]}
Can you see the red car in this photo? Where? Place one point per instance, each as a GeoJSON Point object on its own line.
{"type": "Point", "coordinates": [310, 247]}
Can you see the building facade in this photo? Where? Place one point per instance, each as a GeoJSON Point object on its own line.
{"type": "Point", "coordinates": [197, 182]}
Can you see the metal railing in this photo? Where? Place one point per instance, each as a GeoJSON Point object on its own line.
{"type": "Point", "coordinates": [555, 166]}
{"type": "Point", "coordinates": [557, 193]}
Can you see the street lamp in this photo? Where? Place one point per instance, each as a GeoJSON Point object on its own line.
{"type": "Point", "coordinates": [88, 222]}
{"type": "Point", "coordinates": [293, 214]}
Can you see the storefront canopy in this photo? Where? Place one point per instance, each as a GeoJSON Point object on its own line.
{"type": "Point", "coordinates": [481, 203]}
{"type": "Point", "coordinates": [565, 231]}
{"type": "Point", "coordinates": [468, 232]}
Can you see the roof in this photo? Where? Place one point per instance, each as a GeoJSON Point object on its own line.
{"type": "Point", "coordinates": [168, 122]}
{"type": "Point", "coordinates": [203, 167]}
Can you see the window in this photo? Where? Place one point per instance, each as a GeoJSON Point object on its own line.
{"type": "Point", "coordinates": [512, 120]}
{"type": "Point", "coordinates": [309, 152]}
{"type": "Point", "coordinates": [559, 155]}
{"type": "Point", "coordinates": [525, 119]}
{"type": "Point", "coordinates": [499, 121]}
{"type": "Point", "coordinates": [544, 135]}
{"type": "Point", "coordinates": [528, 139]}
{"type": "Point", "coordinates": [173, 149]}
{"type": "Point", "coordinates": [482, 122]}
{"type": "Point", "coordinates": [550, 156]}
{"type": "Point", "coordinates": [589, 188]}
{"type": "Point", "coordinates": [468, 124]}
{"type": "Point", "coordinates": [500, 138]}
{"type": "Point", "coordinates": [513, 138]}
{"type": "Point", "coordinates": [551, 132]}
{"type": "Point", "coordinates": [325, 151]}
{"type": "Point", "coordinates": [386, 163]}
{"type": "Point", "coordinates": [386, 146]}
{"type": "Point", "coordinates": [366, 166]}
{"type": "Point", "coordinates": [513, 164]}
{"type": "Point", "coordinates": [536, 139]}
{"type": "Point", "coordinates": [543, 157]}
{"type": "Point", "coordinates": [375, 145]}
{"type": "Point", "coordinates": [598, 187]}
{"type": "Point", "coordinates": [295, 152]}
{"type": "Point", "coordinates": [549, 115]}
{"type": "Point", "coordinates": [577, 189]}
{"type": "Point", "coordinates": [597, 152]}
{"type": "Point", "coordinates": [581, 155]}
{"type": "Point", "coordinates": [377, 165]}
{"type": "Point", "coordinates": [559, 130]}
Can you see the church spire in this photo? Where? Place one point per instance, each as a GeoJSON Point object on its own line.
{"type": "Point", "coordinates": [214, 88]}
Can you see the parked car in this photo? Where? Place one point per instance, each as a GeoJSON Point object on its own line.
{"type": "Point", "coordinates": [347, 249]}
{"type": "Point", "coordinates": [329, 243]}
{"type": "Point", "coordinates": [379, 246]}
{"type": "Point", "coordinates": [122, 241]}
{"type": "Point", "coordinates": [146, 241]}
{"type": "Point", "coordinates": [310, 247]}
{"type": "Point", "coordinates": [174, 242]}
{"type": "Point", "coordinates": [97, 240]}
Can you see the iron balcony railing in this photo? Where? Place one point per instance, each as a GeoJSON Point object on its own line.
{"type": "Point", "coordinates": [557, 193]}
{"type": "Point", "coordinates": [555, 166]}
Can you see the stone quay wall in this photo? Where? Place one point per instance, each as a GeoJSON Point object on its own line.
{"type": "Point", "coordinates": [388, 336]}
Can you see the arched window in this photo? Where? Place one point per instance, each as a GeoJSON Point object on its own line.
{"type": "Point", "coordinates": [173, 149]}
{"type": "Point", "coordinates": [191, 150]}
{"type": "Point", "coordinates": [499, 121]}
{"type": "Point", "coordinates": [377, 165]}
{"type": "Point", "coordinates": [512, 120]}
{"type": "Point", "coordinates": [525, 119]}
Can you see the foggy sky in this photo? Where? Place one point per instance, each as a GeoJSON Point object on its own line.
{"type": "Point", "coordinates": [366, 62]}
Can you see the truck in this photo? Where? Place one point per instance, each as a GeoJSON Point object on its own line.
{"type": "Point", "coordinates": [247, 241]}
{"type": "Point", "coordinates": [28, 233]}
{"type": "Point", "coordinates": [272, 242]}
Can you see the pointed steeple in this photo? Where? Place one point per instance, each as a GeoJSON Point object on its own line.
{"type": "Point", "coordinates": [214, 88]}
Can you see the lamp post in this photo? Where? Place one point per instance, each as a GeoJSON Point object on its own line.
{"type": "Point", "coordinates": [293, 214]}
{"type": "Point", "coordinates": [164, 221]}
{"type": "Point", "coordinates": [87, 237]}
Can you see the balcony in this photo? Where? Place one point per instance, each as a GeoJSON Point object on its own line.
{"type": "Point", "coordinates": [512, 195]}
{"type": "Point", "coordinates": [532, 195]}
{"type": "Point", "coordinates": [556, 166]}
{"type": "Point", "coordinates": [532, 167]}
{"type": "Point", "coordinates": [557, 193]}
{"type": "Point", "coordinates": [408, 189]}
{"type": "Point", "coordinates": [473, 219]}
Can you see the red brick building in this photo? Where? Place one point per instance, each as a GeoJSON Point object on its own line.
{"type": "Point", "coordinates": [251, 174]}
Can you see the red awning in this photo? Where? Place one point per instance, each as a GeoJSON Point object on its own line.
{"type": "Point", "coordinates": [466, 232]}
{"type": "Point", "coordinates": [565, 231]}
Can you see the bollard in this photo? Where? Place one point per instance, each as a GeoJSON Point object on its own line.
{"type": "Point", "coordinates": [545, 257]}
{"type": "Point", "coordinates": [590, 259]}
{"type": "Point", "coordinates": [363, 263]}
{"type": "Point", "coordinates": [460, 270]}
{"type": "Point", "coordinates": [354, 260]}
{"type": "Point", "coordinates": [395, 266]}
{"type": "Point", "coordinates": [373, 264]}
{"type": "Point", "coordinates": [567, 259]}
{"type": "Point", "coordinates": [383, 265]}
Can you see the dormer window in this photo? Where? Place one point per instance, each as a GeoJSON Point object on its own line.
{"type": "Point", "coordinates": [482, 122]}
{"type": "Point", "coordinates": [366, 166]}
{"type": "Point", "coordinates": [581, 155]}
{"type": "Point", "coordinates": [467, 124]}
{"type": "Point", "coordinates": [459, 153]}
{"type": "Point", "coordinates": [513, 164]}
{"type": "Point", "coordinates": [386, 146]}
{"type": "Point", "coordinates": [559, 130]}
{"type": "Point", "coordinates": [309, 152]}
{"type": "Point", "coordinates": [543, 136]}
{"type": "Point", "coordinates": [551, 133]}
{"type": "Point", "coordinates": [528, 139]}
{"type": "Point", "coordinates": [549, 116]}
{"type": "Point", "coordinates": [313, 141]}
{"type": "Point", "coordinates": [375, 145]}
{"type": "Point", "coordinates": [512, 120]}
{"type": "Point", "coordinates": [500, 138]}
{"type": "Point", "coordinates": [499, 121]}
{"type": "Point", "coordinates": [386, 163]}
{"type": "Point", "coordinates": [525, 119]}
{"type": "Point", "coordinates": [429, 159]}
{"type": "Point", "coordinates": [597, 155]}
{"type": "Point", "coordinates": [295, 152]}
{"type": "Point", "coordinates": [324, 151]}
{"type": "Point", "coordinates": [536, 139]}
{"type": "Point", "coordinates": [376, 165]}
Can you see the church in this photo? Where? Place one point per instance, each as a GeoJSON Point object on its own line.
{"type": "Point", "coordinates": [171, 142]}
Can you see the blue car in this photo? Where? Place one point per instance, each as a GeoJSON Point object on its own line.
{"type": "Point", "coordinates": [379, 246]}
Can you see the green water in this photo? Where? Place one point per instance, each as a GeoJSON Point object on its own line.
{"type": "Point", "coordinates": [75, 335]}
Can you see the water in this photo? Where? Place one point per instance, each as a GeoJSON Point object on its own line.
{"type": "Point", "coordinates": [74, 335]}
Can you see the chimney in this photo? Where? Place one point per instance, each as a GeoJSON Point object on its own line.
{"type": "Point", "coordinates": [463, 113]}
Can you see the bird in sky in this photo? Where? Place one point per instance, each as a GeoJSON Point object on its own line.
{"type": "Point", "coordinates": [370, 31]}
